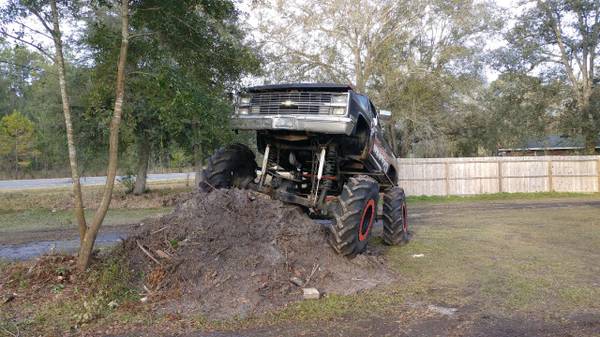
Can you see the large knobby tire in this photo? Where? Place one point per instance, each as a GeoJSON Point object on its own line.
{"type": "Point", "coordinates": [232, 166]}
{"type": "Point", "coordinates": [353, 216]}
{"type": "Point", "coordinates": [395, 217]}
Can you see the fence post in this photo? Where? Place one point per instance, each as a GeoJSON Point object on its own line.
{"type": "Point", "coordinates": [598, 173]}
{"type": "Point", "coordinates": [550, 179]}
{"type": "Point", "coordinates": [447, 178]}
{"type": "Point", "coordinates": [499, 176]}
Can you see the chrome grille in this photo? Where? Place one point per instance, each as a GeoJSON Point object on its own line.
{"type": "Point", "coordinates": [289, 102]}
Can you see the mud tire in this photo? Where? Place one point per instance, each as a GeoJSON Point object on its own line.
{"type": "Point", "coordinates": [353, 216]}
{"type": "Point", "coordinates": [395, 217]}
{"type": "Point", "coordinates": [231, 166]}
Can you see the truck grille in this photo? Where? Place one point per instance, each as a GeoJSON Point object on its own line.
{"type": "Point", "coordinates": [289, 102]}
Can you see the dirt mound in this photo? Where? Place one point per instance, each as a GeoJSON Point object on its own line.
{"type": "Point", "coordinates": [233, 252]}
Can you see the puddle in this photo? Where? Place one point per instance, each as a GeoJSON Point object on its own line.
{"type": "Point", "coordinates": [34, 249]}
{"type": "Point", "coordinates": [31, 250]}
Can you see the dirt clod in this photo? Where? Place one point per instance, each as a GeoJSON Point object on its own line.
{"type": "Point", "coordinates": [233, 253]}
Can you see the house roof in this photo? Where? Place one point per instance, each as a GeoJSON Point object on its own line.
{"type": "Point", "coordinates": [552, 142]}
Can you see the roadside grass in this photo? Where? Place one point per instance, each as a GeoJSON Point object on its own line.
{"type": "Point", "coordinates": [62, 198]}
{"type": "Point", "coordinates": [44, 219]}
{"type": "Point", "coordinates": [500, 197]}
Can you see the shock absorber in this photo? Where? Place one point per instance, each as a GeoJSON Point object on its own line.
{"type": "Point", "coordinates": [329, 173]}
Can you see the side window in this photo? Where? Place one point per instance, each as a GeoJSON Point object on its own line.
{"type": "Point", "coordinates": [373, 113]}
{"type": "Point", "coordinates": [363, 102]}
{"type": "Point", "coordinates": [373, 109]}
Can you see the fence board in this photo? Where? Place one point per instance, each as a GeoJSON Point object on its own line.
{"type": "Point", "coordinates": [479, 175]}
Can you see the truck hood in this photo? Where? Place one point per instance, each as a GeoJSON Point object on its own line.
{"type": "Point", "coordinates": [330, 87]}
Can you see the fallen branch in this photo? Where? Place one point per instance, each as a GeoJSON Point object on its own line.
{"type": "Point", "coordinates": [214, 188]}
{"type": "Point", "coordinates": [162, 254]}
{"type": "Point", "coordinates": [222, 250]}
{"type": "Point", "coordinates": [10, 333]}
{"type": "Point", "coordinates": [146, 252]}
{"type": "Point", "coordinates": [158, 230]}
{"type": "Point", "coordinates": [314, 269]}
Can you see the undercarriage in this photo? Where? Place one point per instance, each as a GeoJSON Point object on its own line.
{"type": "Point", "coordinates": [310, 169]}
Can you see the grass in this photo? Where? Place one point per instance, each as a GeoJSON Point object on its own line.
{"type": "Point", "coordinates": [500, 197]}
{"type": "Point", "coordinates": [50, 209]}
{"type": "Point", "coordinates": [498, 262]}
{"type": "Point", "coordinates": [62, 198]}
{"type": "Point", "coordinates": [505, 261]}
{"type": "Point", "coordinates": [43, 219]}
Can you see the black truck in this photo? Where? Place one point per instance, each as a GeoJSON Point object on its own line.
{"type": "Point", "coordinates": [322, 148]}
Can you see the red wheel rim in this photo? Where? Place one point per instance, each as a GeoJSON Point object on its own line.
{"type": "Point", "coordinates": [368, 210]}
{"type": "Point", "coordinates": [404, 218]}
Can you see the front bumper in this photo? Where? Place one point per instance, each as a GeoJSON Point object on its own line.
{"type": "Point", "coordinates": [311, 123]}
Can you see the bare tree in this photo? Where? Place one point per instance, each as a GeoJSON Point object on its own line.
{"type": "Point", "coordinates": [337, 40]}
{"type": "Point", "coordinates": [49, 15]}
{"type": "Point", "coordinates": [60, 63]}
{"type": "Point", "coordinates": [87, 244]}
{"type": "Point", "coordinates": [16, 13]}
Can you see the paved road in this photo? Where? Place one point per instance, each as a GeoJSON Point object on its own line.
{"type": "Point", "coordinates": [88, 181]}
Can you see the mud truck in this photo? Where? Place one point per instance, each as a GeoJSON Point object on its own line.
{"type": "Point", "coordinates": [322, 148]}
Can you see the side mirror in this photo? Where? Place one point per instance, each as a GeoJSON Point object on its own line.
{"type": "Point", "coordinates": [385, 115]}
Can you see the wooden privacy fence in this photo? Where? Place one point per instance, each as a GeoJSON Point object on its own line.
{"type": "Point", "coordinates": [464, 176]}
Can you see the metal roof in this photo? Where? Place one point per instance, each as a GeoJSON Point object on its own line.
{"type": "Point", "coordinates": [552, 142]}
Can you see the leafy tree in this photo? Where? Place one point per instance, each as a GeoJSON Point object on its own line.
{"type": "Point", "coordinates": [17, 141]}
{"type": "Point", "coordinates": [560, 40]}
{"type": "Point", "coordinates": [519, 108]}
{"type": "Point", "coordinates": [173, 82]}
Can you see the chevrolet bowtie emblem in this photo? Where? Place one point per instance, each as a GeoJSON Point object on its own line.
{"type": "Point", "coordinates": [287, 103]}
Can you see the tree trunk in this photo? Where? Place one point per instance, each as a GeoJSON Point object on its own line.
{"type": "Point", "coordinates": [16, 158]}
{"type": "Point", "coordinates": [591, 139]}
{"type": "Point", "coordinates": [142, 169]}
{"type": "Point", "coordinates": [198, 162]}
{"type": "Point", "coordinates": [60, 63]}
{"type": "Point", "coordinates": [392, 137]}
{"type": "Point", "coordinates": [87, 245]}
{"type": "Point", "coordinates": [589, 131]}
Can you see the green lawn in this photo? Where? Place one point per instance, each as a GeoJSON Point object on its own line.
{"type": "Point", "coordinates": [502, 196]}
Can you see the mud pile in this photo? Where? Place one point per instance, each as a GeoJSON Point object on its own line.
{"type": "Point", "coordinates": [234, 252]}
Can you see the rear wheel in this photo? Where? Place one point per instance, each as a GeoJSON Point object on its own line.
{"type": "Point", "coordinates": [232, 166]}
{"type": "Point", "coordinates": [354, 215]}
{"type": "Point", "coordinates": [395, 217]}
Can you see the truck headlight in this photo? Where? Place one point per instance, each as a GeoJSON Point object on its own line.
{"type": "Point", "coordinates": [339, 99]}
{"type": "Point", "coordinates": [339, 111]}
{"type": "Point", "coordinates": [244, 100]}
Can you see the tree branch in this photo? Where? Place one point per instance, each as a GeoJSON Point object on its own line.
{"type": "Point", "coordinates": [41, 19]}
{"type": "Point", "coordinates": [19, 39]}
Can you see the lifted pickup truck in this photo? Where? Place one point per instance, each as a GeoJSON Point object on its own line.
{"type": "Point", "coordinates": [322, 148]}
